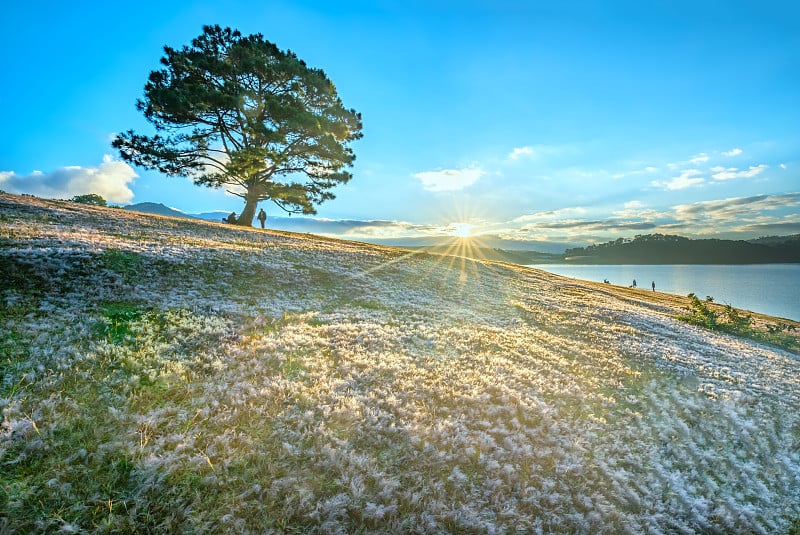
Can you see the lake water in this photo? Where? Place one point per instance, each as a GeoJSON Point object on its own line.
{"type": "Point", "coordinates": [772, 289]}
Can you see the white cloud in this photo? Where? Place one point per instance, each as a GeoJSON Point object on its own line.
{"type": "Point", "coordinates": [783, 166]}
{"type": "Point", "coordinates": [539, 151]}
{"type": "Point", "coordinates": [733, 152]}
{"type": "Point", "coordinates": [685, 180]}
{"type": "Point", "coordinates": [636, 211]}
{"type": "Point", "coordinates": [110, 180]}
{"type": "Point", "coordinates": [550, 214]}
{"type": "Point", "coordinates": [700, 158]}
{"type": "Point", "coordinates": [735, 209]}
{"type": "Point", "coordinates": [449, 179]}
{"type": "Point", "coordinates": [728, 173]}
{"type": "Point", "coordinates": [518, 152]}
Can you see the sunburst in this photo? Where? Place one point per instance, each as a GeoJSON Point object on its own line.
{"type": "Point", "coordinates": [461, 230]}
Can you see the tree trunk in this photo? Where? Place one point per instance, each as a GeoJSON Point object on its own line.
{"type": "Point", "coordinates": [249, 212]}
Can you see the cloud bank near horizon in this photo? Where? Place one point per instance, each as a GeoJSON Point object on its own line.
{"type": "Point", "coordinates": [730, 218]}
{"type": "Point", "coordinates": [111, 180]}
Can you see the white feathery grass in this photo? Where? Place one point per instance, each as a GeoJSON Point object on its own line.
{"type": "Point", "coordinates": [244, 381]}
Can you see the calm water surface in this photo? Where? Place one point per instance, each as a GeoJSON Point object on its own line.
{"type": "Point", "coordinates": [772, 289]}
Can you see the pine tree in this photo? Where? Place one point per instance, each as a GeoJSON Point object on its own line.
{"type": "Point", "coordinates": [237, 112]}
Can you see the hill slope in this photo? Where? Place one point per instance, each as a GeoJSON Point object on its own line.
{"type": "Point", "coordinates": [174, 376]}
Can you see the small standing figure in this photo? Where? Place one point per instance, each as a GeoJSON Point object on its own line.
{"type": "Point", "coordinates": [653, 284]}
{"type": "Point", "coordinates": [262, 217]}
{"type": "Point", "coordinates": [634, 283]}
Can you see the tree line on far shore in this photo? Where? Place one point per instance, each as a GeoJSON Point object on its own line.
{"type": "Point", "coordinates": [668, 249]}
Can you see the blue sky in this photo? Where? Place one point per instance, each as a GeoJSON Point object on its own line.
{"type": "Point", "coordinates": [524, 122]}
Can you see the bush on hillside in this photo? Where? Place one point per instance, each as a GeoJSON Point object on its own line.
{"type": "Point", "coordinates": [732, 321]}
{"type": "Point", "coordinates": [90, 198]}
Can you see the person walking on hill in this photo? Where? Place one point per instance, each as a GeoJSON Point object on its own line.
{"type": "Point", "coordinates": [262, 217]}
{"type": "Point", "coordinates": [634, 284]}
{"type": "Point", "coordinates": [654, 285]}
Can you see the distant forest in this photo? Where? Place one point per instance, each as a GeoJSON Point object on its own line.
{"type": "Point", "coordinates": [667, 249]}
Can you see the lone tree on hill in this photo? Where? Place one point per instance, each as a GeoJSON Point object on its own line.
{"type": "Point", "coordinates": [90, 198]}
{"type": "Point", "coordinates": [239, 113]}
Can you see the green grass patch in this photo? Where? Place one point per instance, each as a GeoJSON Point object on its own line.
{"type": "Point", "coordinates": [117, 320]}
{"type": "Point", "coordinates": [366, 304]}
{"type": "Point", "coordinates": [20, 278]}
{"type": "Point", "coordinates": [293, 367]}
{"type": "Point", "coordinates": [709, 315]}
{"type": "Point", "coordinates": [125, 263]}
{"type": "Point", "coordinates": [14, 346]}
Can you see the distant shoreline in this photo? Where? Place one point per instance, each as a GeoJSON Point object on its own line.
{"type": "Point", "coordinates": [698, 263]}
{"type": "Point", "coordinates": [525, 257]}
{"type": "Point", "coordinates": [766, 288]}
{"type": "Point", "coordinates": [666, 249]}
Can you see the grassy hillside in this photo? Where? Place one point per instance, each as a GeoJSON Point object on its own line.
{"type": "Point", "coordinates": [166, 375]}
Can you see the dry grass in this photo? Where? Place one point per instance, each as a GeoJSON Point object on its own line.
{"type": "Point", "coordinates": [161, 375]}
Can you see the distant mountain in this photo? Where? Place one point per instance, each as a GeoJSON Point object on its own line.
{"type": "Point", "coordinates": [512, 256]}
{"type": "Point", "coordinates": [481, 241]}
{"type": "Point", "coordinates": [667, 249]}
{"type": "Point", "coordinates": [216, 215]}
{"type": "Point", "coordinates": [160, 209]}
{"type": "Point", "coordinates": [156, 208]}
{"type": "Point", "coordinates": [292, 224]}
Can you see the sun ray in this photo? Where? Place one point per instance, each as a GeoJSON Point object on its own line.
{"type": "Point", "coordinates": [463, 253]}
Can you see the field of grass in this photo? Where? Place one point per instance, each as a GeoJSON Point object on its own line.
{"type": "Point", "coordinates": [169, 376]}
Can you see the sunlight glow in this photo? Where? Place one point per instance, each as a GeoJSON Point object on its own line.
{"type": "Point", "coordinates": [460, 230]}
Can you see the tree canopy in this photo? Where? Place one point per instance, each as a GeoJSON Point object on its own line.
{"type": "Point", "coordinates": [90, 198]}
{"type": "Point", "coordinates": [237, 112]}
